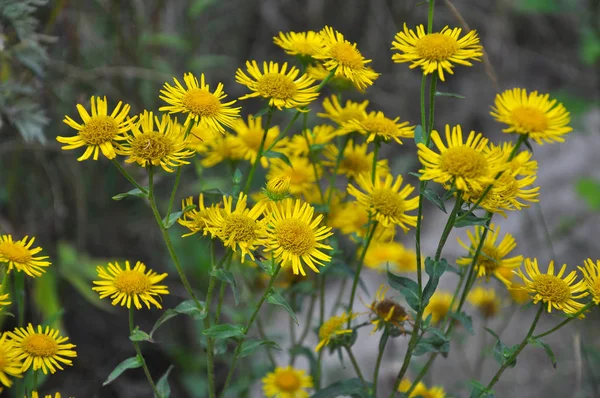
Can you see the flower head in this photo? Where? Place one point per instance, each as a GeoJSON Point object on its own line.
{"type": "Point", "coordinates": [4, 299]}
{"type": "Point", "coordinates": [384, 198]}
{"type": "Point", "coordinates": [436, 52]}
{"type": "Point", "coordinates": [591, 276]}
{"type": "Point", "coordinates": [249, 136]}
{"type": "Point", "coordinates": [352, 218]}
{"type": "Point", "coordinates": [554, 290]}
{"type": "Point", "coordinates": [287, 382]}
{"type": "Point", "coordinates": [100, 131]}
{"type": "Point", "coordinates": [20, 256]}
{"type": "Point", "coordinates": [218, 149]}
{"type": "Point", "coordinates": [42, 348]}
{"type": "Point", "coordinates": [304, 44]}
{"type": "Point", "coordinates": [304, 144]}
{"type": "Point", "coordinates": [339, 114]}
{"type": "Point", "coordinates": [9, 364]}
{"type": "Point", "coordinates": [439, 306]}
{"type": "Point", "coordinates": [200, 105]}
{"type": "Point", "coordinates": [341, 56]}
{"type": "Point", "coordinates": [194, 219]}
{"type": "Point", "coordinates": [338, 83]}
{"type": "Point", "coordinates": [278, 188]}
{"type": "Point", "coordinates": [386, 311]}
{"type": "Point", "coordinates": [355, 161]}
{"type": "Point", "coordinates": [280, 86]}
{"type": "Point", "coordinates": [421, 390]}
{"type": "Point", "coordinates": [382, 255]}
{"type": "Point", "coordinates": [34, 394]}
{"type": "Point", "coordinates": [518, 293]}
{"type": "Point", "coordinates": [301, 173]}
{"type": "Point", "coordinates": [332, 328]}
{"type": "Point", "coordinates": [295, 236]}
{"type": "Point", "coordinates": [485, 300]}
{"type": "Point", "coordinates": [542, 119]}
{"type": "Point", "coordinates": [126, 285]}
{"type": "Point", "coordinates": [376, 126]}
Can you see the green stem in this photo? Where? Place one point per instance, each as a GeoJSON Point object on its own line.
{"type": "Point", "coordinates": [128, 177]}
{"type": "Point", "coordinates": [431, 103]}
{"type": "Point", "coordinates": [238, 348]}
{"type": "Point", "coordinates": [430, 16]}
{"type": "Point", "coordinates": [263, 335]}
{"type": "Point", "coordinates": [35, 380]}
{"type": "Point", "coordinates": [321, 321]}
{"type": "Point", "coordinates": [338, 161]}
{"type": "Point", "coordinates": [222, 287]}
{"type": "Point", "coordinates": [423, 111]}
{"type": "Point", "coordinates": [448, 227]}
{"type": "Point", "coordinates": [382, 343]}
{"type": "Point", "coordinates": [566, 321]}
{"type": "Point", "coordinates": [259, 153]}
{"type": "Point", "coordinates": [173, 193]}
{"type": "Point", "coordinates": [326, 80]}
{"type": "Point", "coordinates": [139, 355]}
{"type": "Point", "coordinates": [355, 365]}
{"type": "Point", "coordinates": [340, 294]}
{"type": "Point", "coordinates": [284, 132]}
{"type": "Point", "coordinates": [310, 155]}
{"type": "Point", "coordinates": [307, 324]}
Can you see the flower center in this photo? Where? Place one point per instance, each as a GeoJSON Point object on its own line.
{"type": "Point", "coordinates": [436, 47]}
{"type": "Point", "coordinates": [132, 282]}
{"type": "Point", "coordinates": [356, 163]}
{"type": "Point", "coordinates": [347, 55]}
{"type": "Point", "coordinates": [40, 345]}
{"type": "Point", "coordinates": [530, 119]}
{"type": "Point", "coordinates": [552, 288]}
{"type": "Point", "coordinates": [489, 259]}
{"type": "Point", "coordinates": [201, 102]}
{"type": "Point", "coordinates": [276, 85]}
{"type": "Point", "coordinates": [380, 125]}
{"type": "Point", "coordinates": [287, 381]}
{"type": "Point", "coordinates": [99, 129]}
{"type": "Point", "coordinates": [240, 228]}
{"type": "Point", "coordinates": [488, 308]}
{"type": "Point", "coordinates": [151, 146]}
{"type": "Point", "coordinates": [15, 253]}
{"type": "Point", "coordinates": [383, 308]}
{"type": "Point", "coordinates": [463, 161]}
{"type": "Point", "coordinates": [387, 203]}
{"type": "Point", "coordinates": [295, 236]}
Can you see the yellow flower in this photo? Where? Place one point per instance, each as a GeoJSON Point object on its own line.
{"type": "Point", "coordinates": [20, 256]}
{"type": "Point", "coordinates": [542, 119]}
{"type": "Point", "coordinates": [305, 44]}
{"type": "Point", "coordinates": [341, 56]}
{"type": "Point", "coordinates": [34, 394]}
{"type": "Point", "coordinates": [469, 164]}
{"type": "Point", "coordinates": [9, 364]}
{"type": "Point", "coordinates": [383, 254]}
{"type": "Point", "coordinates": [42, 349]}
{"type": "Point", "coordinates": [421, 390]}
{"type": "Point", "coordinates": [4, 299]}
{"type": "Point", "coordinates": [200, 105]}
{"type": "Point", "coordinates": [355, 161]}
{"type": "Point", "coordinates": [521, 163]}
{"type": "Point", "coordinates": [195, 219]}
{"type": "Point", "coordinates": [217, 150]}
{"type": "Point", "coordinates": [388, 205]}
{"type": "Point", "coordinates": [386, 311]}
{"type": "Point", "coordinates": [127, 285]}
{"type": "Point", "coordinates": [436, 52]}
{"type": "Point", "coordinates": [147, 146]}
{"type": "Point", "coordinates": [333, 327]}
{"type": "Point", "coordinates": [485, 300]}
{"type": "Point", "coordinates": [518, 293]}
{"type": "Point", "coordinates": [301, 173]}
{"type": "Point", "coordinates": [352, 218]}
{"type": "Point", "coordinates": [591, 276]}
{"type": "Point", "coordinates": [282, 87]}
{"type": "Point", "coordinates": [239, 227]}
{"type": "Point", "coordinates": [438, 307]}
{"type": "Point", "coordinates": [294, 236]}
{"type": "Point", "coordinates": [339, 114]}
{"type": "Point", "coordinates": [278, 188]}
{"type": "Point", "coordinates": [287, 382]}
{"type": "Point", "coordinates": [552, 289]}
{"type": "Point", "coordinates": [249, 137]}
{"type": "Point", "coordinates": [200, 135]}
{"type": "Point", "coordinates": [319, 135]}
{"type": "Point", "coordinates": [100, 131]}
{"type": "Point", "coordinates": [376, 126]}
{"type": "Point", "coordinates": [492, 259]}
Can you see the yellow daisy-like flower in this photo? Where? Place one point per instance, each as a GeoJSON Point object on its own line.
{"type": "Point", "coordinates": [249, 137]}
{"type": "Point", "coordinates": [34, 394]}
{"type": "Point", "coordinates": [305, 44]}
{"type": "Point", "coordinates": [4, 299]}
{"type": "Point", "coordinates": [278, 188]}
{"type": "Point", "coordinates": [436, 52]}
{"type": "Point", "coordinates": [591, 276]}
{"type": "Point", "coordinates": [320, 135]}
{"type": "Point", "coordinates": [239, 227]}
{"type": "Point", "coordinates": [386, 311]}
{"type": "Point", "coordinates": [195, 219]}
{"type": "Point", "coordinates": [200, 105]}
{"type": "Point", "coordinates": [42, 349]}
{"type": "Point", "coordinates": [376, 126]}
{"type": "Point", "coordinates": [20, 256]}
{"type": "Point", "coordinates": [469, 164]}
{"type": "Point", "coordinates": [126, 285]}
{"type": "Point", "coordinates": [338, 83]}
{"type": "Point", "coordinates": [287, 382]}
{"type": "Point", "coordinates": [493, 258]}
{"type": "Point", "coordinates": [485, 300]}
{"type": "Point", "coordinates": [355, 161]}
{"type": "Point", "coordinates": [339, 114]}
{"type": "Point", "coordinates": [282, 87]}
{"type": "Point", "coordinates": [295, 236]}
{"type": "Point", "coordinates": [542, 119]}
{"type": "Point", "coordinates": [217, 150]}
{"type": "Point", "coordinates": [522, 163]}
{"type": "Point", "coordinates": [352, 218]}
{"type": "Point", "coordinates": [341, 56]}
{"type": "Point", "coordinates": [439, 306]}
{"type": "Point", "coordinates": [383, 254]}
{"type": "Point", "coordinates": [200, 135]}
{"type": "Point", "coordinates": [421, 390]}
{"type": "Point", "coordinates": [518, 293]}
{"type": "Point", "coordinates": [301, 173]}
{"type": "Point", "coordinates": [333, 327]}
{"type": "Point", "coordinates": [9, 364]}
{"type": "Point", "coordinates": [100, 131]}
{"type": "Point", "coordinates": [552, 289]}
{"type": "Point", "coordinates": [162, 144]}
{"type": "Point", "coordinates": [384, 198]}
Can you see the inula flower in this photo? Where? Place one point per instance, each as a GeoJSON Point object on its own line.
{"type": "Point", "coordinates": [10, 366]}
{"type": "Point", "coordinates": [304, 144]}
{"type": "Point", "coordinates": [248, 138]}
{"type": "Point", "coordinates": [421, 390]}
{"type": "Point", "coordinates": [591, 276]}
{"type": "Point", "coordinates": [485, 300]}
{"type": "Point", "coordinates": [278, 188]}
{"type": "Point", "coordinates": [438, 307]}
{"type": "Point", "coordinates": [518, 293]}
{"type": "Point", "coordinates": [128, 285]}
{"type": "Point", "coordinates": [339, 114]}
{"type": "Point", "coordinates": [355, 161]}
{"type": "Point", "coordinates": [301, 173]}
{"type": "Point", "coordinates": [541, 118]}
{"type": "Point", "coordinates": [34, 394]}
{"type": "Point", "coordinates": [287, 382]}
{"type": "Point", "coordinates": [219, 149]}
{"type": "Point", "coordinates": [436, 52]}
{"type": "Point", "coordinates": [386, 311]}
{"type": "Point", "coordinates": [384, 255]}
{"type": "Point", "coordinates": [100, 131]}
{"type": "Point", "coordinates": [194, 219]}
{"type": "Point", "coordinates": [305, 44]}
{"type": "Point", "coordinates": [20, 256]}
{"type": "Point", "coordinates": [332, 328]}
{"type": "Point", "coordinates": [375, 126]}
{"type": "Point", "coordinates": [4, 299]}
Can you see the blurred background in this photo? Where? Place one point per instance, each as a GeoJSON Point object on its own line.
{"type": "Point", "coordinates": [55, 54]}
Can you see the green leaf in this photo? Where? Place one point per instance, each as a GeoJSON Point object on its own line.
{"type": "Point", "coordinates": [435, 269]}
{"type": "Point", "coordinates": [237, 176]}
{"type": "Point", "coordinates": [419, 137]}
{"type": "Point", "coordinates": [436, 342]}
{"type": "Point", "coordinates": [268, 265]}
{"type": "Point", "coordinates": [415, 174]}
{"type": "Point", "coordinates": [502, 352]}
{"type": "Point", "coordinates": [464, 320]}
{"type": "Point", "coordinates": [187, 307]}
{"type": "Point", "coordinates": [162, 386]}
{"type": "Point", "coordinates": [261, 112]}
{"type": "Point", "coordinates": [249, 346]}
{"type": "Point", "coordinates": [129, 363]}
{"type": "Point", "coordinates": [442, 94]}
{"type": "Point", "coordinates": [173, 217]}
{"type": "Point", "coordinates": [139, 335]}
{"type": "Point", "coordinates": [227, 277]}
{"type": "Point", "coordinates": [46, 298]}
{"type": "Point", "coordinates": [225, 331]}
{"type": "Point", "coordinates": [310, 356]}
{"type": "Point", "coordinates": [589, 190]}
{"type": "Point", "coordinates": [407, 287]}
{"type": "Point", "coordinates": [351, 387]}
{"type": "Point", "coordinates": [469, 219]}
{"type": "Point", "coordinates": [134, 192]}
{"type": "Point", "coordinates": [546, 347]}
{"type": "Point", "coordinates": [316, 148]}
{"type": "Point", "coordinates": [479, 390]}
{"type": "Point", "coordinates": [434, 198]}
{"type": "Point", "coordinates": [278, 155]}
{"type": "Point", "coordinates": [277, 299]}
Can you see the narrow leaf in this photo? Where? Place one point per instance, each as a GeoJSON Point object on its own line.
{"type": "Point", "coordinates": [187, 307]}
{"type": "Point", "coordinates": [442, 94]}
{"type": "Point", "coordinates": [419, 138]}
{"type": "Point", "coordinates": [464, 320]}
{"type": "Point", "coordinates": [546, 347]}
{"type": "Point", "coordinates": [278, 155]}
{"type": "Point", "coordinates": [173, 217]}
{"type": "Point", "coordinates": [434, 269]}
{"type": "Point", "coordinates": [129, 363]}
{"type": "Point", "coordinates": [134, 192]}
{"type": "Point", "coordinates": [227, 277]}
{"type": "Point", "coordinates": [139, 335]}
{"type": "Point", "coordinates": [350, 387]}
{"type": "Point", "coordinates": [277, 299]}
{"type": "Point", "coordinates": [470, 219]}
{"type": "Point", "coordinates": [225, 331]}
{"type": "Point", "coordinates": [434, 198]}
{"type": "Point", "coordinates": [162, 386]}
{"type": "Point", "coordinates": [407, 287]}
{"type": "Point", "coordinates": [249, 346]}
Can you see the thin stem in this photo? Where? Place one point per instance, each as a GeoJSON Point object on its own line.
{"type": "Point", "coordinates": [321, 321]}
{"type": "Point", "coordinates": [382, 343]}
{"type": "Point", "coordinates": [263, 335]}
{"type": "Point", "coordinates": [355, 365]}
{"type": "Point", "coordinates": [260, 149]}
{"type": "Point", "coordinates": [35, 380]}
{"type": "Point", "coordinates": [431, 102]}
{"type": "Point", "coordinates": [140, 356]}
{"type": "Point", "coordinates": [173, 193]}
{"type": "Point", "coordinates": [338, 299]}
{"type": "Point", "coordinates": [222, 287]}
{"type": "Point", "coordinates": [338, 161]}
{"type": "Point", "coordinates": [448, 227]}
{"type": "Point", "coordinates": [430, 16]}
{"type": "Point", "coordinates": [311, 156]}
{"type": "Point", "coordinates": [566, 321]}
{"type": "Point", "coordinates": [423, 111]}
{"type": "Point", "coordinates": [547, 236]}
{"type": "Point", "coordinates": [128, 177]}
{"type": "Point", "coordinates": [326, 80]}
{"type": "Point", "coordinates": [308, 321]}
{"type": "Point", "coordinates": [284, 132]}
